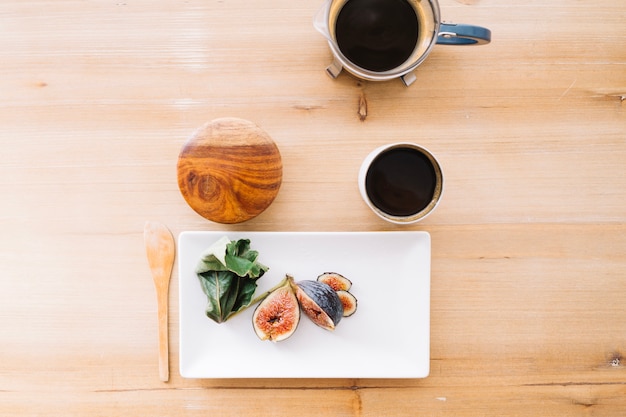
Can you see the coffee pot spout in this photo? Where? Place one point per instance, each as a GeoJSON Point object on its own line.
{"type": "Point", "coordinates": [320, 20]}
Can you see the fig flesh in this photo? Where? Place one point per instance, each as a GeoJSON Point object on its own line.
{"type": "Point", "coordinates": [336, 281]}
{"type": "Point", "coordinates": [277, 316]}
{"type": "Point", "coordinates": [319, 302]}
{"type": "Point", "coordinates": [348, 301]}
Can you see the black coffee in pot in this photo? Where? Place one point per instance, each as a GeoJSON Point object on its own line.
{"type": "Point", "coordinates": [377, 35]}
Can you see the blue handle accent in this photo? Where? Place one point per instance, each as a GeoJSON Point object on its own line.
{"type": "Point", "coordinates": [459, 34]}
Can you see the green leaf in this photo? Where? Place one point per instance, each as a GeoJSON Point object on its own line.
{"type": "Point", "coordinates": [239, 266]}
{"type": "Point", "coordinates": [213, 258]}
{"type": "Point", "coordinates": [216, 285]}
{"type": "Point", "coordinates": [239, 247]}
{"type": "Point", "coordinates": [247, 287]}
{"type": "Point", "coordinates": [228, 271]}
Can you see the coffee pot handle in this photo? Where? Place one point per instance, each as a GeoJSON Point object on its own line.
{"type": "Point", "coordinates": [461, 34]}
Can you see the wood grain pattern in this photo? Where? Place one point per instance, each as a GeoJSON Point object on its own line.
{"type": "Point", "coordinates": [230, 170]}
{"type": "Point", "coordinates": [528, 243]}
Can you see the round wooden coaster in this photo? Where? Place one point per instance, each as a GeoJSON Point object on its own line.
{"type": "Point", "coordinates": [229, 171]}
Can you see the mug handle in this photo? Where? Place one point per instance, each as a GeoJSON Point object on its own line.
{"type": "Point", "coordinates": [460, 34]}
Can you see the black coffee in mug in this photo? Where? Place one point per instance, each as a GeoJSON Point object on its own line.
{"type": "Point", "coordinates": [377, 35]}
{"type": "Point", "coordinates": [401, 181]}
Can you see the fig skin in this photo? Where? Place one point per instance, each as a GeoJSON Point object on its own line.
{"type": "Point", "coordinates": [276, 318]}
{"type": "Point", "coordinates": [349, 302]}
{"type": "Point", "coordinates": [319, 302]}
{"type": "Point", "coordinates": [336, 281]}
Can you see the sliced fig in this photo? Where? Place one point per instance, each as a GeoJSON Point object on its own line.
{"type": "Point", "coordinates": [336, 281]}
{"type": "Point", "coordinates": [277, 316]}
{"type": "Point", "coordinates": [319, 302]}
{"type": "Point", "coordinates": [348, 301]}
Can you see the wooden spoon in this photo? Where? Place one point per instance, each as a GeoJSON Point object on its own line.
{"type": "Point", "coordinates": [161, 250]}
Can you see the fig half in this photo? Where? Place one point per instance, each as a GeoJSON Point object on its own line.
{"type": "Point", "coordinates": [348, 301]}
{"type": "Point", "coordinates": [319, 302]}
{"type": "Point", "coordinates": [277, 316]}
{"type": "Point", "coordinates": [336, 281]}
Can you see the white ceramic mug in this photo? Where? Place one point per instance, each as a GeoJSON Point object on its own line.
{"type": "Point", "coordinates": [401, 182]}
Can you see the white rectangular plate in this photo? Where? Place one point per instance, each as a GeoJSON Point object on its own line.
{"type": "Point", "coordinates": [387, 337]}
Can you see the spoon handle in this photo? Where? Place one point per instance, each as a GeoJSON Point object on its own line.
{"type": "Point", "coordinates": [162, 311]}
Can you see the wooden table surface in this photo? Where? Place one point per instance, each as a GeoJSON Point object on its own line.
{"type": "Point", "coordinates": [528, 280]}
